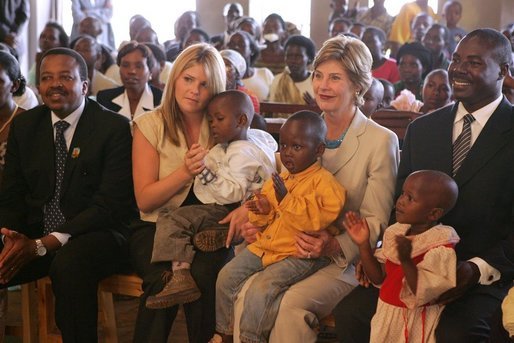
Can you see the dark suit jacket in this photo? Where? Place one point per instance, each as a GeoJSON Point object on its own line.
{"type": "Point", "coordinates": [97, 191]}
{"type": "Point", "coordinates": [106, 96]}
{"type": "Point", "coordinates": [484, 213]}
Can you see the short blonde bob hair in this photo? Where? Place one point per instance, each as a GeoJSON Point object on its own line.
{"type": "Point", "coordinates": [355, 59]}
{"type": "Point", "coordinates": [214, 67]}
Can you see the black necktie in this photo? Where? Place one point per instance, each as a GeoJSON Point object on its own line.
{"type": "Point", "coordinates": [53, 216]}
{"type": "Point", "coordinates": [462, 144]}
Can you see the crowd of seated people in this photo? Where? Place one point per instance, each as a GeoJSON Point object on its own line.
{"type": "Point", "coordinates": [370, 61]}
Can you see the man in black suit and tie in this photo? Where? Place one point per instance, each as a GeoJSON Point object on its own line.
{"type": "Point", "coordinates": [66, 195]}
{"type": "Point", "coordinates": [473, 141]}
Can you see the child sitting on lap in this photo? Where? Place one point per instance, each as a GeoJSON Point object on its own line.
{"type": "Point", "coordinates": [237, 166]}
{"type": "Point", "coordinates": [416, 262]}
{"type": "Point", "coordinates": [306, 197]}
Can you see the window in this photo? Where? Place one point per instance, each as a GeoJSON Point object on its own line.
{"type": "Point", "coordinates": [294, 11]}
{"type": "Point", "coordinates": [161, 15]}
{"type": "Point", "coordinates": [393, 7]}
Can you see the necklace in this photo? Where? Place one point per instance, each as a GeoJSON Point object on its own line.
{"type": "Point", "coordinates": [9, 120]}
{"type": "Point", "coordinates": [334, 144]}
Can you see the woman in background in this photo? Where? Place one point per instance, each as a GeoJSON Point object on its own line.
{"type": "Point", "coordinates": [258, 80]}
{"type": "Point", "coordinates": [135, 96]}
{"type": "Point", "coordinates": [52, 36]}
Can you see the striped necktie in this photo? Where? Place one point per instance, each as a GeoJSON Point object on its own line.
{"type": "Point", "coordinates": [462, 143]}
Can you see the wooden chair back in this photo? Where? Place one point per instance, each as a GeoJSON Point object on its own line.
{"type": "Point", "coordinates": [268, 108]}
{"type": "Point", "coordinates": [396, 121]}
{"type": "Point", "coordinates": [273, 124]}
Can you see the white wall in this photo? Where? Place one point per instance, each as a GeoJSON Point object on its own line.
{"type": "Point", "coordinates": [40, 13]}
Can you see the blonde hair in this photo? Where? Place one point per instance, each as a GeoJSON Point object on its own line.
{"type": "Point", "coordinates": [355, 59]}
{"type": "Point", "coordinates": [212, 62]}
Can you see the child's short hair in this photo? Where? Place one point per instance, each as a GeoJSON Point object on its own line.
{"type": "Point", "coordinates": [302, 41]}
{"type": "Point", "coordinates": [314, 124]}
{"type": "Point", "coordinates": [377, 32]}
{"type": "Point", "coordinates": [446, 33]}
{"type": "Point", "coordinates": [450, 3]}
{"type": "Point", "coordinates": [240, 101]}
{"type": "Point", "coordinates": [441, 185]}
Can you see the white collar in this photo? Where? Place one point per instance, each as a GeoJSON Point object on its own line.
{"type": "Point", "coordinates": [481, 115]}
{"type": "Point", "coordinates": [145, 103]}
{"type": "Point", "coordinates": [71, 118]}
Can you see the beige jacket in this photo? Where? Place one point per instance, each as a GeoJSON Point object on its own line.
{"type": "Point", "coordinates": [366, 165]}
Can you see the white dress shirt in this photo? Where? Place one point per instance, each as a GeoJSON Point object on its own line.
{"type": "Point", "coordinates": [488, 274]}
{"type": "Point", "coordinates": [72, 119]}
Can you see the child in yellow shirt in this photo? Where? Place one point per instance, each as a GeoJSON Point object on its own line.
{"type": "Point", "coordinates": [306, 197]}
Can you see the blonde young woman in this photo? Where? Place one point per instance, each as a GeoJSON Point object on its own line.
{"type": "Point", "coordinates": [363, 156]}
{"type": "Point", "coordinates": [168, 149]}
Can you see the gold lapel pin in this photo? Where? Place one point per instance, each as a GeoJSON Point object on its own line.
{"type": "Point", "coordinates": [75, 153]}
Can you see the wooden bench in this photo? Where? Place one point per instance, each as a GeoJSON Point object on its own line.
{"type": "Point", "coordinates": [40, 292]}
{"type": "Point", "coordinates": [28, 330]}
{"type": "Point", "coordinates": [38, 306]}
{"type": "Point", "coordinates": [270, 108]}
{"type": "Point", "coordinates": [273, 125]}
{"type": "Point", "coordinates": [396, 121]}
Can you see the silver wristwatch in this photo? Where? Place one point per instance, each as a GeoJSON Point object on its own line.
{"type": "Point", "coordinates": [40, 248]}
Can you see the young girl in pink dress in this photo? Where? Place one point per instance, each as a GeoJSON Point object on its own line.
{"type": "Point", "coordinates": [416, 262]}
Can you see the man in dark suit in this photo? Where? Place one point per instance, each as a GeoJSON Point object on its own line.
{"type": "Point", "coordinates": [66, 194]}
{"type": "Point", "coordinates": [483, 215]}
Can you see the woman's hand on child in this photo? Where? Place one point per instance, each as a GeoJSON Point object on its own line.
{"type": "Point", "coordinates": [236, 218]}
{"type": "Point", "coordinates": [279, 186]}
{"type": "Point", "coordinates": [249, 232]}
{"type": "Point", "coordinates": [259, 205]}
{"type": "Point", "coordinates": [193, 159]}
{"type": "Point", "coordinates": [356, 227]}
{"type": "Point", "coordinates": [316, 244]}
{"type": "Point", "coordinates": [404, 248]}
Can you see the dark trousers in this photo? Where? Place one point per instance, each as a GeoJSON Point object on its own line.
{"type": "Point", "coordinates": [468, 319]}
{"type": "Point", "coordinates": [155, 325]}
{"type": "Point", "coordinates": [353, 314]}
{"type": "Point", "coordinates": [75, 270]}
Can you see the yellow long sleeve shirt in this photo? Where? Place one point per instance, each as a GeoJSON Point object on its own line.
{"type": "Point", "coordinates": [313, 202]}
{"type": "Point", "coordinates": [401, 28]}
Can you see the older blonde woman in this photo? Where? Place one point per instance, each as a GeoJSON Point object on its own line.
{"type": "Point", "coordinates": [164, 166]}
{"type": "Point", "coordinates": [364, 157]}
